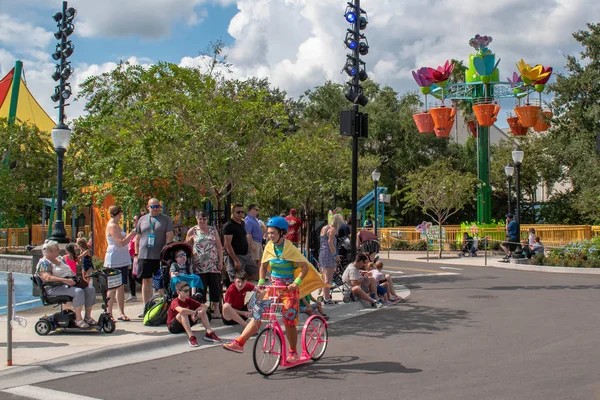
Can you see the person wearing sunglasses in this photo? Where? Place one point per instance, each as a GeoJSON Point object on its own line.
{"type": "Point", "coordinates": [184, 312]}
{"type": "Point", "coordinates": [154, 231]}
{"type": "Point", "coordinates": [236, 245]}
{"type": "Point", "coordinates": [180, 271]}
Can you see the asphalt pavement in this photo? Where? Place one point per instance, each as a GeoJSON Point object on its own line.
{"type": "Point", "coordinates": [466, 332]}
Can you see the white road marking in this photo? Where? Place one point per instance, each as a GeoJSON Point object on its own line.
{"type": "Point", "coordinates": [457, 269]}
{"type": "Point", "coordinates": [421, 275]}
{"type": "Point", "coordinates": [35, 392]}
{"type": "Point", "coordinates": [24, 302]}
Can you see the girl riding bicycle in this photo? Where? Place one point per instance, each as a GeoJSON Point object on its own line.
{"type": "Point", "coordinates": [288, 268]}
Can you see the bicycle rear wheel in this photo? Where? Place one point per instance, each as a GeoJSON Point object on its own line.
{"type": "Point", "coordinates": [315, 337]}
{"type": "Point", "coordinates": [267, 351]}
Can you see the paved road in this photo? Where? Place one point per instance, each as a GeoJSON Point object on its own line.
{"type": "Point", "coordinates": [483, 333]}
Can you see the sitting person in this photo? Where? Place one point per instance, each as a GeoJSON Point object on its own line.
{"type": "Point", "coordinates": [184, 312]}
{"type": "Point", "coordinates": [235, 310]}
{"type": "Point", "coordinates": [384, 280]}
{"type": "Point", "coordinates": [537, 247]}
{"type": "Point", "coordinates": [309, 305]}
{"type": "Point", "coordinates": [180, 271]}
{"type": "Point", "coordinates": [469, 246]}
{"type": "Point", "coordinates": [359, 282]}
{"type": "Point", "coordinates": [52, 269]}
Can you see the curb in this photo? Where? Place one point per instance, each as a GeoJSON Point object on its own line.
{"type": "Point", "coordinates": [546, 269]}
{"type": "Point", "coordinates": [150, 349]}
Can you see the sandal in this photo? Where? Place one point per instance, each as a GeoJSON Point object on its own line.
{"type": "Point", "coordinates": [91, 321]}
{"type": "Point", "coordinates": [81, 324]}
{"type": "Point", "coordinates": [124, 318]}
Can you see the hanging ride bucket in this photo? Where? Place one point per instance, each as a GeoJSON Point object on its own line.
{"type": "Point", "coordinates": [528, 115]}
{"type": "Point", "coordinates": [515, 126]}
{"type": "Point", "coordinates": [424, 122]}
{"type": "Point", "coordinates": [485, 114]}
{"type": "Point", "coordinates": [441, 116]}
{"type": "Point", "coordinates": [541, 125]}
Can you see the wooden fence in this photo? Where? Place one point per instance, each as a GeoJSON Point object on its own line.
{"type": "Point", "coordinates": [19, 237]}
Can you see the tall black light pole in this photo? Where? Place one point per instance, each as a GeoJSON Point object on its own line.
{"type": "Point", "coordinates": [352, 122]}
{"type": "Point", "coordinates": [517, 156]}
{"type": "Point", "coordinates": [376, 175]}
{"type": "Point", "coordinates": [61, 134]}
{"type": "Point", "coordinates": [509, 170]}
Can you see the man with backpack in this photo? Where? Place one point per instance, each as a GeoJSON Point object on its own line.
{"type": "Point", "coordinates": [184, 312]}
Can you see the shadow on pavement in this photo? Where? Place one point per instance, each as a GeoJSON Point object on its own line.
{"type": "Point", "coordinates": [403, 318]}
{"type": "Point", "coordinates": [336, 368]}
{"type": "Point", "coordinates": [552, 287]}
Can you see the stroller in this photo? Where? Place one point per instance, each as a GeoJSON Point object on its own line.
{"type": "Point", "coordinates": [167, 257]}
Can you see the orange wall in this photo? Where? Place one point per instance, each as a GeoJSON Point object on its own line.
{"type": "Point", "coordinates": [101, 218]}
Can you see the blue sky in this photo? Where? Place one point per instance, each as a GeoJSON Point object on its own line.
{"type": "Point", "coordinates": [296, 44]}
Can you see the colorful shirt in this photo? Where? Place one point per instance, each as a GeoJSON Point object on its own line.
{"type": "Point", "coordinates": [280, 268]}
{"type": "Point", "coordinates": [206, 257]}
{"type": "Point", "coordinates": [61, 270]}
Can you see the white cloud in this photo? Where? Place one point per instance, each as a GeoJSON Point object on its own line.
{"type": "Point", "coordinates": [297, 44]}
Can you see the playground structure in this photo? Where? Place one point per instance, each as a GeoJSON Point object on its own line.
{"type": "Point", "coordinates": [366, 202]}
{"type": "Point", "coordinates": [482, 90]}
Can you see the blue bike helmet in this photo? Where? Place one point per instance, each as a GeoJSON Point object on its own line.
{"type": "Point", "coordinates": [278, 222]}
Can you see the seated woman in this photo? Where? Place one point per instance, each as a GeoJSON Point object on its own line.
{"type": "Point", "coordinates": [180, 271]}
{"type": "Point", "coordinates": [52, 269]}
{"type": "Point", "coordinates": [537, 247]}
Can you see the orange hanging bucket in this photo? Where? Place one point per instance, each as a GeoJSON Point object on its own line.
{"type": "Point", "coordinates": [445, 131]}
{"type": "Point", "coordinates": [441, 116]}
{"type": "Point", "coordinates": [528, 115]}
{"type": "Point", "coordinates": [485, 114]}
{"type": "Point", "coordinates": [424, 122]}
{"type": "Point", "coordinates": [472, 128]}
{"type": "Point", "coordinates": [541, 125]}
{"type": "Point", "coordinates": [515, 126]}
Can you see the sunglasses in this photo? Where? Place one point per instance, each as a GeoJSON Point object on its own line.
{"type": "Point", "coordinates": [187, 290]}
{"type": "Point", "coordinates": [181, 255]}
{"type": "Point", "coordinates": [240, 212]}
{"type": "Point", "coordinates": [155, 207]}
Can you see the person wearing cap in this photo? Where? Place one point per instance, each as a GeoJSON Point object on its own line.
{"type": "Point", "coordinates": [294, 222]}
{"type": "Point", "coordinates": [512, 236]}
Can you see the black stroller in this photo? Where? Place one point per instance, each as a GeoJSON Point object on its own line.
{"type": "Point", "coordinates": [167, 257]}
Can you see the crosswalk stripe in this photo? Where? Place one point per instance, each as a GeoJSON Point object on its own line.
{"type": "Point", "coordinates": [36, 392]}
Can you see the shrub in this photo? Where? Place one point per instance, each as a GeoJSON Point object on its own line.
{"type": "Point", "coordinates": [538, 259]}
{"type": "Point", "coordinates": [98, 263]}
{"type": "Point", "coordinates": [401, 245]}
{"type": "Point", "coordinates": [421, 245]}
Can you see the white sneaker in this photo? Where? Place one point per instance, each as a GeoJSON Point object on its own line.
{"type": "Point", "coordinates": [131, 299]}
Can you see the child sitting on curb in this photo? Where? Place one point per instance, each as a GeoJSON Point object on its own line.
{"type": "Point", "coordinates": [385, 281]}
{"type": "Point", "coordinates": [309, 308]}
{"type": "Point", "coordinates": [184, 312]}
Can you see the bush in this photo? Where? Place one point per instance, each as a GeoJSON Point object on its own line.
{"type": "Point", "coordinates": [421, 245]}
{"type": "Point", "coordinates": [98, 263]}
{"type": "Point", "coordinates": [401, 245]}
{"type": "Point", "coordinates": [495, 245]}
{"type": "Point", "coordinates": [538, 259]}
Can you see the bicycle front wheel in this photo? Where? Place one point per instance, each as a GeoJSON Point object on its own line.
{"type": "Point", "coordinates": [315, 337]}
{"type": "Point", "coordinates": [267, 352]}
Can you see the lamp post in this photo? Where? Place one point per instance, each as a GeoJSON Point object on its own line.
{"type": "Point", "coordinates": [61, 136]}
{"type": "Point", "coordinates": [517, 156]}
{"type": "Point", "coordinates": [376, 175]}
{"type": "Point", "coordinates": [509, 170]}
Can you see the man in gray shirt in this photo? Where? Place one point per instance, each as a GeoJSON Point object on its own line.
{"type": "Point", "coordinates": [154, 230]}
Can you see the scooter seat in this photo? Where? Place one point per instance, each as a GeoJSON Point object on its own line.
{"type": "Point", "coordinates": [58, 299]}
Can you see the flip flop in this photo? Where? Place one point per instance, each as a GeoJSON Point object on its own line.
{"type": "Point", "coordinates": [124, 318]}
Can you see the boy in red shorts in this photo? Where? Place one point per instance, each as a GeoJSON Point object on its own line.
{"type": "Point", "coordinates": [184, 312]}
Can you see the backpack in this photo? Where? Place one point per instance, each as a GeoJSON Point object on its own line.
{"type": "Point", "coordinates": [156, 310]}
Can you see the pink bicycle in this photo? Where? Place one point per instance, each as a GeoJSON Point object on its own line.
{"type": "Point", "coordinates": [270, 348]}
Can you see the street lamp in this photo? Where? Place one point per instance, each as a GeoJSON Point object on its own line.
{"type": "Point", "coordinates": [517, 156]}
{"type": "Point", "coordinates": [61, 136]}
{"type": "Point", "coordinates": [509, 170]}
{"type": "Point", "coordinates": [376, 175]}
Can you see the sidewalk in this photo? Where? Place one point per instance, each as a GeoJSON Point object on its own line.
{"type": "Point", "coordinates": [131, 342]}
{"type": "Point", "coordinates": [451, 258]}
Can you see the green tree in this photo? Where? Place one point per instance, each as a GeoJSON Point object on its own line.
{"type": "Point", "coordinates": [439, 191]}
{"type": "Point", "coordinates": [576, 104]}
{"type": "Point", "coordinates": [27, 173]}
